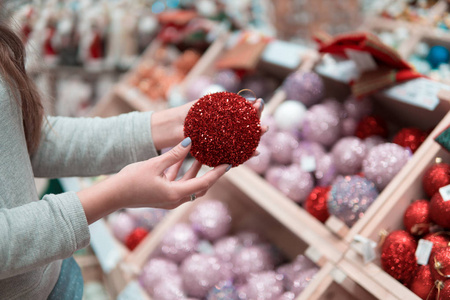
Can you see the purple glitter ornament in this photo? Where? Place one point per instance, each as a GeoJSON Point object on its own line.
{"type": "Point", "coordinates": [211, 219]}
{"type": "Point", "coordinates": [226, 247]}
{"type": "Point", "coordinates": [242, 291]}
{"type": "Point", "coordinates": [336, 106]}
{"type": "Point", "coordinates": [274, 174]}
{"type": "Point", "coordinates": [267, 138]}
{"type": "Point", "coordinates": [179, 242]}
{"type": "Point", "coordinates": [306, 87]}
{"type": "Point", "coordinates": [195, 90]}
{"type": "Point", "coordinates": [348, 154]}
{"type": "Point", "coordinates": [225, 290]}
{"type": "Point", "coordinates": [290, 271]}
{"type": "Point", "coordinates": [322, 125]}
{"type": "Point", "coordinates": [287, 296]}
{"type": "Point", "coordinates": [302, 279]}
{"type": "Point", "coordinates": [200, 273]}
{"type": "Point", "coordinates": [228, 79]}
{"type": "Point", "coordinates": [350, 197]}
{"type": "Point", "coordinates": [373, 141]}
{"type": "Point", "coordinates": [147, 218]}
{"type": "Point", "coordinates": [151, 273]}
{"type": "Point", "coordinates": [282, 146]}
{"type": "Point", "coordinates": [326, 171]}
{"type": "Point", "coordinates": [383, 162]}
{"type": "Point", "coordinates": [169, 287]}
{"type": "Point", "coordinates": [349, 126]}
{"type": "Point", "coordinates": [358, 108]}
{"type": "Point", "coordinates": [249, 238]}
{"type": "Point", "coordinates": [260, 163]}
{"type": "Point", "coordinates": [122, 224]}
{"type": "Point", "coordinates": [265, 285]}
{"type": "Point", "coordinates": [251, 259]}
{"type": "Point", "coordinates": [296, 184]}
{"type": "Point", "coordinates": [306, 149]}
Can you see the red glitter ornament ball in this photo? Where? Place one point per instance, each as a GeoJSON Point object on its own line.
{"type": "Point", "coordinates": [440, 264]}
{"type": "Point", "coordinates": [445, 291]}
{"type": "Point", "coordinates": [224, 129]}
{"type": "Point", "coordinates": [438, 240]}
{"type": "Point", "coordinates": [435, 177]}
{"type": "Point", "coordinates": [316, 203]}
{"type": "Point", "coordinates": [135, 237]}
{"type": "Point", "coordinates": [417, 218]}
{"type": "Point", "coordinates": [410, 138]}
{"type": "Point", "coordinates": [398, 256]}
{"type": "Point", "coordinates": [440, 211]}
{"type": "Point", "coordinates": [422, 283]}
{"type": "Point", "coordinates": [371, 125]}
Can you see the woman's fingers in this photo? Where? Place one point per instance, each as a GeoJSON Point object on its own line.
{"type": "Point", "coordinates": [176, 154]}
{"type": "Point", "coordinates": [193, 171]}
{"type": "Point", "coordinates": [259, 105]}
{"type": "Point", "coordinates": [172, 172]}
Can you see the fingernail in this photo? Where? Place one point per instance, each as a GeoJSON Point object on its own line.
{"type": "Point", "coordinates": [228, 168]}
{"type": "Point", "coordinates": [186, 142]}
{"type": "Point", "coordinates": [262, 105]}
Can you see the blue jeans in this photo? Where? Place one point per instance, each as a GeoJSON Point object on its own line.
{"type": "Point", "coordinates": [70, 282]}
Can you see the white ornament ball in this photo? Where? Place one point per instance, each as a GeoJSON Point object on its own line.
{"type": "Point", "coordinates": [289, 115]}
{"type": "Point", "coordinates": [213, 88]}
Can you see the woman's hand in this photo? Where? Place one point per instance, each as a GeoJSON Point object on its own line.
{"type": "Point", "coordinates": [149, 183]}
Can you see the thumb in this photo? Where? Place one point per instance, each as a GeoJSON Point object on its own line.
{"type": "Point", "coordinates": [176, 154]}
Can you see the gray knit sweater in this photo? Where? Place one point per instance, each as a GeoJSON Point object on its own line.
{"type": "Point", "coordinates": [35, 235]}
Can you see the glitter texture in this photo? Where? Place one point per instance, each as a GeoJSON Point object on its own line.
{"type": "Point", "coordinates": [151, 273]}
{"type": "Point", "coordinates": [291, 270]}
{"type": "Point", "coordinates": [302, 279]}
{"type": "Point", "coordinates": [440, 211]}
{"type": "Point", "coordinates": [326, 171]}
{"type": "Point", "coordinates": [249, 238]}
{"type": "Point", "coordinates": [282, 146]}
{"type": "Point", "coordinates": [370, 126]}
{"type": "Point", "coordinates": [179, 242]}
{"type": "Point", "coordinates": [398, 257]}
{"type": "Point", "coordinates": [135, 238]}
{"type": "Point", "coordinates": [273, 174]}
{"type": "Point", "coordinates": [200, 273]}
{"type": "Point", "coordinates": [295, 183]}
{"type": "Point", "coordinates": [226, 247]}
{"type": "Point", "coordinates": [287, 296]}
{"type": "Point", "coordinates": [350, 197]}
{"type": "Point", "coordinates": [316, 203]}
{"type": "Point", "coordinates": [224, 128]}
{"type": "Point", "coordinates": [435, 177]}
{"type": "Point", "coordinates": [440, 263]}
{"type": "Point", "coordinates": [322, 125]}
{"type": "Point", "coordinates": [252, 259]}
{"type": "Point", "coordinates": [306, 148]}
{"type": "Point", "coordinates": [438, 240]}
{"type": "Point", "coordinates": [225, 290]}
{"type": "Point", "coordinates": [417, 218]}
{"type": "Point", "coordinates": [357, 108]}
{"type": "Point", "coordinates": [265, 285]}
{"type": "Point", "coordinates": [211, 219]}
{"type": "Point", "coordinates": [168, 288]}
{"type": "Point", "coordinates": [445, 292]}
{"type": "Point", "coordinates": [306, 87]}
{"type": "Point", "coordinates": [228, 79]}
{"type": "Point", "coordinates": [348, 154]}
{"type": "Point", "coordinates": [261, 162]}
{"type": "Point", "coordinates": [422, 283]}
{"type": "Point", "coordinates": [410, 138]}
{"type": "Point", "coordinates": [383, 162]}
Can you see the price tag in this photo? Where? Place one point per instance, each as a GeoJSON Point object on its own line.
{"type": "Point", "coordinates": [308, 163]}
{"type": "Point", "coordinates": [132, 292]}
{"type": "Point", "coordinates": [423, 252]}
{"type": "Point", "coordinates": [445, 192]}
{"type": "Point", "coordinates": [341, 71]}
{"type": "Point", "coordinates": [283, 54]}
{"type": "Point", "coordinates": [419, 92]}
{"type": "Point", "coordinates": [367, 248]}
{"type": "Point", "coordinates": [363, 60]}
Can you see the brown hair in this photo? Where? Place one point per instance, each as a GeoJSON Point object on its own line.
{"type": "Point", "coordinates": [12, 67]}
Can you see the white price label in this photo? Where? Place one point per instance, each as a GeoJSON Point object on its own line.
{"type": "Point", "coordinates": [308, 163]}
{"type": "Point", "coordinates": [367, 248]}
{"type": "Point", "coordinates": [363, 60]}
{"type": "Point", "coordinates": [419, 92]}
{"type": "Point", "coordinates": [342, 71]}
{"type": "Point", "coordinates": [423, 252]}
{"type": "Point", "coordinates": [445, 192]}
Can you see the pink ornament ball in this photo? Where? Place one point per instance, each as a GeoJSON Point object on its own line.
{"type": "Point", "coordinates": [306, 87]}
{"type": "Point", "coordinates": [373, 141]}
{"type": "Point", "coordinates": [302, 280]}
{"type": "Point", "coordinates": [274, 174]}
{"type": "Point", "coordinates": [296, 184]}
{"type": "Point", "coordinates": [261, 162]}
{"type": "Point", "coordinates": [322, 125]}
{"type": "Point", "coordinates": [282, 146]}
{"type": "Point", "coordinates": [336, 106]}
{"type": "Point", "coordinates": [383, 162]}
{"type": "Point", "coordinates": [200, 273]}
{"type": "Point", "coordinates": [287, 296]}
{"type": "Point", "coordinates": [348, 154]}
{"type": "Point", "coordinates": [147, 218]}
{"type": "Point", "coordinates": [151, 273]}
{"type": "Point", "coordinates": [226, 247]}
{"type": "Point", "coordinates": [169, 287]}
{"type": "Point", "coordinates": [195, 90]}
{"type": "Point", "coordinates": [326, 170]}
{"type": "Point", "coordinates": [291, 270]}
{"type": "Point", "coordinates": [358, 108]}
{"type": "Point", "coordinates": [250, 260]}
{"type": "Point", "coordinates": [228, 79]}
{"type": "Point", "coordinates": [305, 149]}
{"type": "Point", "coordinates": [211, 219]}
{"type": "Point", "coordinates": [249, 238]}
{"type": "Point", "coordinates": [349, 126]}
{"type": "Point", "coordinates": [122, 224]}
{"type": "Point", "coordinates": [266, 285]}
{"type": "Point", "coordinates": [179, 242]}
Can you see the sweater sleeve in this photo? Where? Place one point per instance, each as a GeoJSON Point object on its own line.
{"type": "Point", "coordinates": [92, 146]}
{"type": "Point", "coordinates": [59, 220]}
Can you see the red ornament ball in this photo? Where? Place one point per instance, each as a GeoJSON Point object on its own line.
{"type": "Point", "coordinates": [438, 240]}
{"type": "Point", "coordinates": [224, 129]}
{"type": "Point", "coordinates": [417, 218]}
{"type": "Point", "coordinates": [445, 290]}
{"type": "Point", "coordinates": [135, 237]}
{"type": "Point", "coordinates": [398, 256]}
{"type": "Point", "coordinates": [371, 125]}
{"type": "Point", "coordinates": [422, 283]}
{"type": "Point", "coordinates": [440, 264]}
{"type": "Point", "coordinates": [440, 211]}
{"type": "Point", "coordinates": [410, 138]}
{"type": "Point", "coordinates": [316, 203]}
{"type": "Point", "coordinates": [435, 177]}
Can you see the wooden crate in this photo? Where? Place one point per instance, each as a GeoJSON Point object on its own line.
{"type": "Point", "coordinates": [250, 211]}
{"type": "Point", "coordinates": [389, 216]}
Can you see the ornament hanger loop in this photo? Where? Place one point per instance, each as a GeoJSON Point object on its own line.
{"type": "Point", "coordinates": [383, 235]}
{"type": "Point", "coordinates": [247, 90]}
{"type": "Point", "coordinates": [438, 267]}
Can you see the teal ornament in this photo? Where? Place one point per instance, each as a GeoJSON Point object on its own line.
{"type": "Point", "coordinates": [438, 55]}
